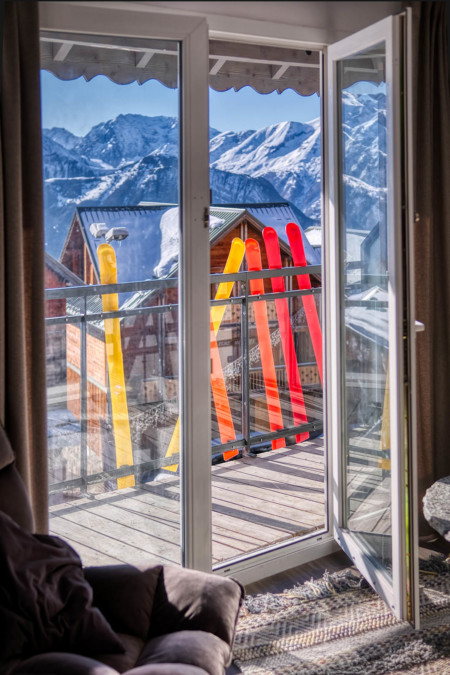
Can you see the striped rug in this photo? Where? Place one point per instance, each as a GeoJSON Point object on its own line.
{"type": "Point", "coordinates": [339, 626]}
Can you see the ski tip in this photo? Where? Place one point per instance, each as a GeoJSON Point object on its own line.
{"type": "Point", "coordinates": [106, 258]}
{"type": "Point", "coordinates": [251, 245]}
{"type": "Point", "coordinates": [272, 248]}
{"type": "Point", "coordinates": [269, 233]}
{"type": "Point", "coordinates": [253, 255]}
{"type": "Point", "coordinates": [292, 229]}
{"type": "Point", "coordinates": [105, 248]}
{"type": "Point", "coordinates": [237, 244]}
{"type": "Point", "coordinates": [294, 234]}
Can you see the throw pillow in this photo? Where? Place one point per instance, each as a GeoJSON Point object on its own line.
{"type": "Point", "coordinates": [45, 601]}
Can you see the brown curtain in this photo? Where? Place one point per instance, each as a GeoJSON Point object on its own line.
{"type": "Point", "coordinates": [432, 241]}
{"type": "Point", "coordinates": [22, 337]}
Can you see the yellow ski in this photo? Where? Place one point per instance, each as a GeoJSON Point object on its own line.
{"type": "Point", "coordinates": [114, 357]}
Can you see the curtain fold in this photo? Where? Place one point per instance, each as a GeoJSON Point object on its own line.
{"type": "Point", "coordinates": [432, 241]}
{"type": "Point", "coordinates": [22, 332]}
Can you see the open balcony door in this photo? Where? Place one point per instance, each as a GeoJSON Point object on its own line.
{"type": "Point", "coordinates": [370, 311]}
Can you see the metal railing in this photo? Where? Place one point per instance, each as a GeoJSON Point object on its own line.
{"type": "Point", "coordinates": [249, 376]}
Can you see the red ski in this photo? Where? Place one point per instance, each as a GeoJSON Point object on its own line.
{"type": "Point", "coordinates": [304, 282]}
{"type": "Point", "coordinates": [287, 338]}
{"type": "Point", "coordinates": [253, 256]}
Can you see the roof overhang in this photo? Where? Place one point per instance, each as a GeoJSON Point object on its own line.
{"type": "Point", "coordinates": [232, 65]}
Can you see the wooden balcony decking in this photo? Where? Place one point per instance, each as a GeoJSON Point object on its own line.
{"type": "Point", "coordinates": [257, 501]}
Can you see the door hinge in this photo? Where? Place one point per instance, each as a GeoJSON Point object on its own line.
{"type": "Point", "coordinates": [206, 217]}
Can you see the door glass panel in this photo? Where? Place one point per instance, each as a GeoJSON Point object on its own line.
{"type": "Point", "coordinates": [266, 380]}
{"type": "Point", "coordinates": [110, 158]}
{"type": "Point", "coordinates": [364, 317]}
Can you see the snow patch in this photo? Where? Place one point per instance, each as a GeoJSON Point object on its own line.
{"type": "Point", "coordinates": [170, 240]}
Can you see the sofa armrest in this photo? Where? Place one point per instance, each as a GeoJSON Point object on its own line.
{"type": "Point", "coordinates": [190, 600]}
{"type": "Point", "coordinates": [125, 596]}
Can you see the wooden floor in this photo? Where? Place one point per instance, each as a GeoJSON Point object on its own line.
{"type": "Point", "coordinates": [257, 501]}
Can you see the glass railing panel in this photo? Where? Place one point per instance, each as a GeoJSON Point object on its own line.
{"type": "Point", "coordinates": [87, 434]}
{"type": "Point", "coordinates": [285, 473]}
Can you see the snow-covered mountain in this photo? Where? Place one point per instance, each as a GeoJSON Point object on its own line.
{"type": "Point", "coordinates": [63, 137]}
{"type": "Point", "coordinates": [134, 158]}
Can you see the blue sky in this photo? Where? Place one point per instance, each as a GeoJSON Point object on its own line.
{"type": "Point", "coordinates": [78, 105]}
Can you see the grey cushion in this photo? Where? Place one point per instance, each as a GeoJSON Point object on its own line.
{"type": "Point", "coordinates": [123, 662]}
{"type": "Point", "coordinates": [194, 648]}
{"type": "Point", "coordinates": [167, 669]}
{"type": "Point", "coordinates": [187, 600]}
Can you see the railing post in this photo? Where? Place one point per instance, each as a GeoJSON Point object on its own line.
{"type": "Point", "coordinates": [83, 397]}
{"type": "Point", "coordinates": [245, 371]}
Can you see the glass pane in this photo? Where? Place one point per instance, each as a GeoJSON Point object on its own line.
{"type": "Point", "coordinates": [110, 159]}
{"type": "Point", "coordinates": [364, 305]}
{"type": "Point", "coordinates": [265, 172]}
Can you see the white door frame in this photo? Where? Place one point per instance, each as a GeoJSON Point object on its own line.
{"type": "Point", "coordinates": [195, 437]}
{"type": "Point", "coordinates": [394, 593]}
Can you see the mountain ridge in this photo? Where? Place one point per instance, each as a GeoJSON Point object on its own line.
{"type": "Point", "coordinates": [133, 158]}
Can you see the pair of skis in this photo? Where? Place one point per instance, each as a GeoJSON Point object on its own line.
{"type": "Point", "coordinates": [287, 338]}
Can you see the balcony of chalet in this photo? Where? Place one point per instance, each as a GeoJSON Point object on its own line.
{"type": "Point", "coordinates": [267, 486]}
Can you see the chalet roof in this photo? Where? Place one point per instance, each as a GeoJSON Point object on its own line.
{"type": "Point", "coordinates": [314, 235]}
{"type": "Point", "coordinates": [68, 278]}
{"type": "Point", "coordinates": [140, 255]}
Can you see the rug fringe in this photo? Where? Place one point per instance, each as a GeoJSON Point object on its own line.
{"type": "Point", "coordinates": [326, 586]}
{"type": "Point", "coordinates": [331, 584]}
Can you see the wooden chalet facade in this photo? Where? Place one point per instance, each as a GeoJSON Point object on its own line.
{"type": "Point", "coordinates": [56, 275]}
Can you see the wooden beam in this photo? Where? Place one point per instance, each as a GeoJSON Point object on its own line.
{"type": "Point", "coordinates": [102, 43]}
{"type": "Point", "coordinates": [145, 58]}
{"type": "Point", "coordinates": [217, 66]}
{"type": "Point", "coordinates": [63, 51]}
{"type": "Point", "coordinates": [280, 72]}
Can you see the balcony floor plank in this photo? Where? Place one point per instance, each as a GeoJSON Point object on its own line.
{"type": "Point", "coordinates": [257, 501]}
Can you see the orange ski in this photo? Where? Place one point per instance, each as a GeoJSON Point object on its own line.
{"type": "Point", "coordinates": [287, 337]}
{"type": "Point", "coordinates": [219, 391]}
{"type": "Point", "coordinates": [253, 256]}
